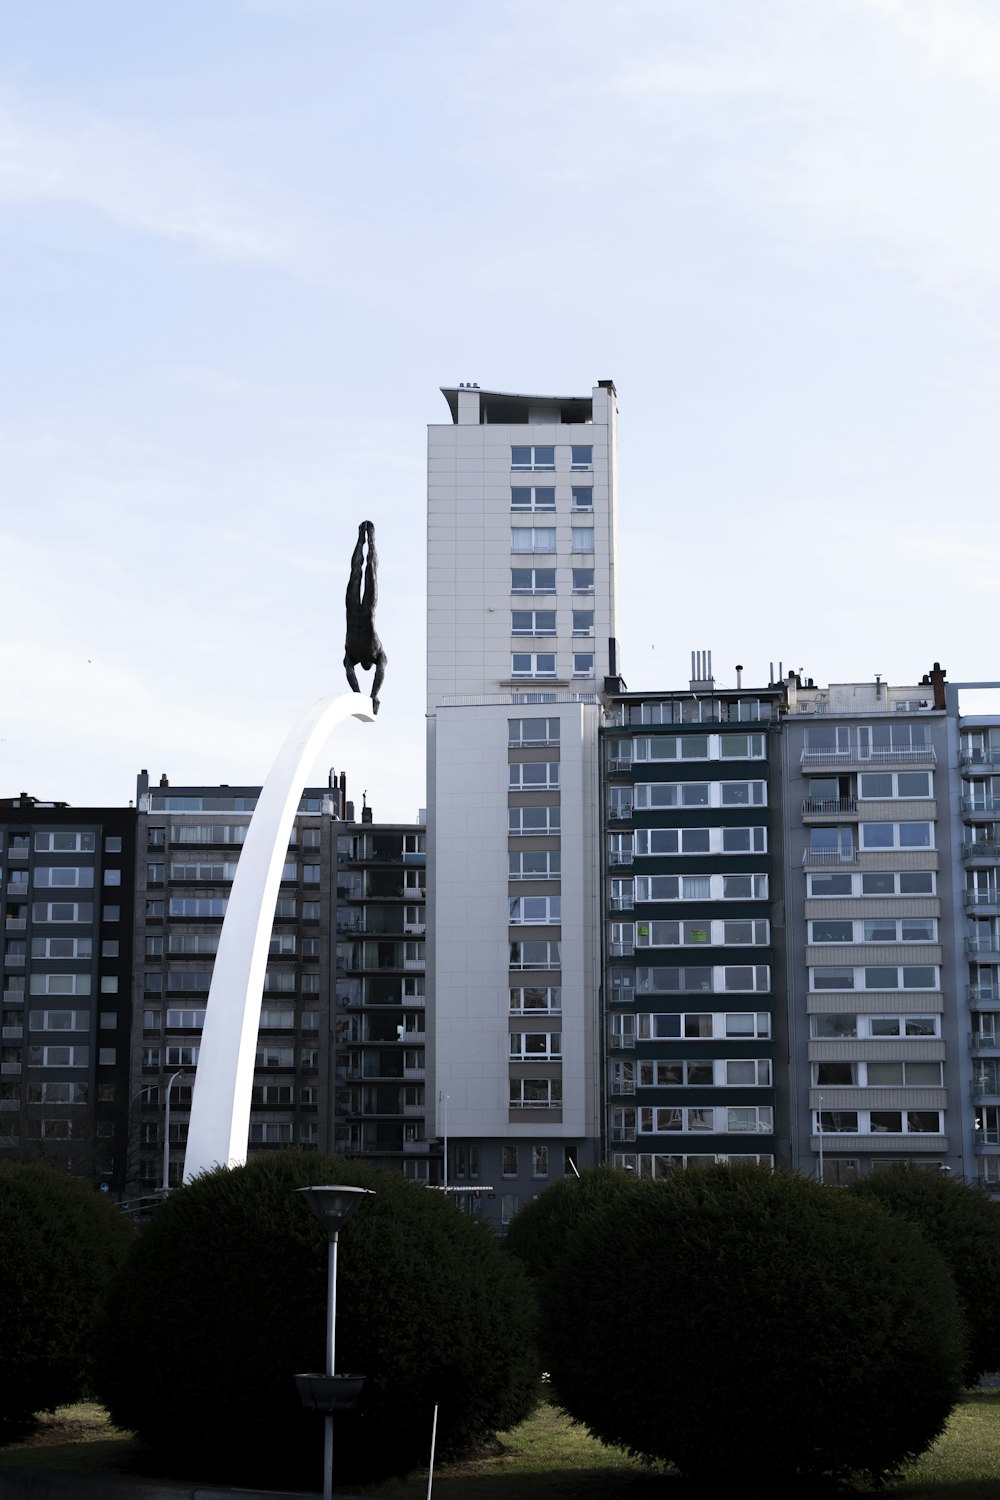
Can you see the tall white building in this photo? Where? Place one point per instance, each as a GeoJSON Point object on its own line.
{"type": "Point", "coordinates": [521, 638]}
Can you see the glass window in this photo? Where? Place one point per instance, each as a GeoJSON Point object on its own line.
{"type": "Point", "coordinates": [827, 931]}
{"type": "Point", "coordinates": [532, 497]}
{"type": "Point", "coordinates": [532, 580]}
{"type": "Point", "coordinates": [583, 580]}
{"type": "Point", "coordinates": [830, 885]}
{"type": "Point", "coordinates": [533, 664]}
{"type": "Point", "coordinates": [583, 497]}
{"type": "Point", "coordinates": [583, 622]}
{"type": "Point", "coordinates": [533, 622]}
{"type": "Point", "coordinates": [536, 457]}
{"type": "Point", "coordinates": [583, 664]}
{"type": "Point", "coordinates": [915, 836]}
{"type": "Point", "coordinates": [532, 539]}
{"type": "Point", "coordinates": [582, 456]}
{"type": "Point", "coordinates": [582, 538]}
{"type": "Point", "coordinates": [876, 835]}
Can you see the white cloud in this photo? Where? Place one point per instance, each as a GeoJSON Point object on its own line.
{"type": "Point", "coordinates": [147, 184]}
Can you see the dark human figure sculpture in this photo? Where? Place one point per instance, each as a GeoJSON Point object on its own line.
{"type": "Point", "coordinates": [363, 647]}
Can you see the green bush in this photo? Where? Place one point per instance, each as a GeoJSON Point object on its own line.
{"type": "Point", "coordinates": [224, 1300]}
{"type": "Point", "coordinates": [735, 1321]}
{"type": "Point", "coordinates": [963, 1223]}
{"type": "Point", "coordinates": [60, 1243]}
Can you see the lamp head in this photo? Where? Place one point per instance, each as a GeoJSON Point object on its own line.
{"type": "Point", "coordinates": [334, 1205]}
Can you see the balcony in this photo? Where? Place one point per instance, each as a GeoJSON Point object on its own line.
{"type": "Point", "coordinates": [980, 807]}
{"type": "Point", "coordinates": [988, 947]}
{"type": "Point", "coordinates": [622, 950]}
{"type": "Point", "coordinates": [813, 808]}
{"type": "Point", "coordinates": [621, 857]}
{"type": "Point", "coordinates": [618, 764]}
{"type": "Point", "coordinates": [830, 857]}
{"type": "Point", "coordinates": [619, 812]}
{"type": "Point", "coordinates": [622, 903]}
{"type": "Point", "coordinates": [984, 1041]}
{"type": "Point", "coordinates": [982, 901]}
{"type": "Point", "coordinates": [15, 924]}
{"type": "Point", "coordinates": [981, 852]}
{"type": "Point", "coordinates": [981, 762]}
{"type": "Point", "coordinates": [902, 755]}
{"type": "Point", "coordinates": [10, 1069]}
{"type": "Point", "coordinates": [982, 994]}
{"type": "Point", "coordinates": [622, 1042]}
{"type": "Point", "coordinates": [11, 1033]}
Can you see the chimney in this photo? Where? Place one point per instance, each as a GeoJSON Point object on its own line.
{"type": "Point", "coordinates": [163, 780]}
{"type": "Point", "coordinates": [937, 675]}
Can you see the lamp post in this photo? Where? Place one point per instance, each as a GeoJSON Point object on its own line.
{"type": "Point", "coordinates": [166, 1131]}
{"type": "Point", "coordinates": [332, 1206]}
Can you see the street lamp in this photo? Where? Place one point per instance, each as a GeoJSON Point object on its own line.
{"type": "Point", "coordinates": [333, 1207]}
{"type": "Point", "coordinates": [166, 1132]}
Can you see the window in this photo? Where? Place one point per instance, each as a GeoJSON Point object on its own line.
{"type": "Point", "coordinates": [533, 622]}
{"type": "Point", "coordinates": [532, 497]}
{"type": "Point", "coordinates": [583, 622]}
{"type": "Point", "coordinates": [533, 539]}
{"type": "Point", "coordinates": [831, 932]}
{"type": "Point", "coordinates": [60, 947]}
{"type": "Point", "coordinates": [535, 1093]}
{"type": "Point", "coordinates": [182, 1057]}
{"type": "Point", "coordinates": [154, 874]}
{"type": "Point", "coordinates": [112, 877]}
{"type": "Point", "coordinates": [59, 984]}
{"type": "Point", "coordinates": [111, 913]}
{"type": "Point", "coordinates": [744, 840]}
{"type": "Point", "coordinates": [535, 864]}
{"type": "Point", "coordinates": [58, 843]}
{"type": "Point", "coordinates": [533, 664]}
{"type": "Point", "coordinates": [529, 1000]}
{"type": "Point", "coordinates": [649, 841]}
{"type": "Point", "coordinates": [198, 906]}
{"type": "Point", "coordinates": [61, 911]}
{"type": "Point", "coordinates": [537, 457]}
{"type": "Point", "coordinates": [743, 793]}
{"type": "Point", "coordinates": [583, 664]}
{"type": "Point", "coordinates": [655, 794]}
{"type": "Point", "coordinates": [532, 820]}
{"type": "Point", "coordinates": [741, 747]}
{"type": "Point", "coordinates": [538, 775]}
{"type": "Point", "coordinates": [583, 580]}
{"type": "Point", "coordinates": [582, 538]}
{"type": "Point", "coordinates": [583, 497]}
{"type": "Point", "coordinates": [62, 875]}
{"type": "Point", "coordinates": [538, 1046]}
{"type": "Point", "coordinates": [109, 984]}
{"type": "Point", "coordinates": [532, 580]}
{"type": "Point", "coordinates": [896, 835]}
{"type": "Point", "coordinates": [59, 1020]}
{"type": "Point", "coordinates": [185, 1020]}
{"type": "Point", "coordinates": [889, 784]}
{"type": "Point", "coordinates": [539, 1161]}
{"type": "Point", "coordinates": [532, 732]}
{"type": "Point", "coordinates": [534, 955]}
{"type": "Point", "coordinates": [58, 1057]}
{"type": "Point", "coordinates": [107, 1056]}
{"type": "Point", "coordinates": [581, 456]}
{"type": "Point", "coordinates": [270, 1132]}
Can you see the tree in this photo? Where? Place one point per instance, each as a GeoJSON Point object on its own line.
{"type": "Point", "coordinates": [963, 1223]}
{"type": "Point", "coordinates": [732, 1320]}
{"type": "Point", "coordinates": [60, 1244]}
{"type": "Point", "coordinates": [224, 1300]}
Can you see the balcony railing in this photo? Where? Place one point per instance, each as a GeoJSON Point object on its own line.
{"type": "Point", "coordinates": [830, 857]}
{"type": "Point", "coordinates": [981, 994]}
{"type": "Point", "coordinates": [981, 760]}
{"type": "Point", "coordinates": [622, 950]}
{"type": "Point", "coordinates": [981, 849]}
{"type": "Point", "coordinates": [980, 806]}
{"type": "Point", "coordinates": [982, 898]}
{"type": "Point", "coordinates": [619, 857]}
{"type": "Point", "coordinates": [815, 807]}
{"type": "Point", "coordinates": [901, 755]}
{"type": "Point", "coordinates": [619, 763]}
{"type": "Point", "coordinates": [622, 1042]}
{"type": "Point", "coordinates": [983, 945]}
{"type": "Point", "coordinates": [622, 903]}
{"type": "Point", "coordinates": [619, 811]}
{"type": "Point", "coordinates": [984, 1041]}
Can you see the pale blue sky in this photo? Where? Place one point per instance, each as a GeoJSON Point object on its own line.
{"type": "Point", "coordinates": [242, 243]}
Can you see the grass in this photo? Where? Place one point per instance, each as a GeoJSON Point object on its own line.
{"type": "Point", "coordinates": [547, 1455]}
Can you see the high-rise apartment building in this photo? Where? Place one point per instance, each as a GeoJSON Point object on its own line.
{"type": "Point", "coordinates": [693, 877]}
{"type": "Point", "coordinates": [877, 1034]}
{"type": "Point", "coordinates": [339, 1062]}
{"type": "Point", "coordinates": [521, 644]}
{"type": "Point", "coordinates": [67, 900]}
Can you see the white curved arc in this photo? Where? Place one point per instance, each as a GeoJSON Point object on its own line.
{"type": "Point", "coordinates": [220, 1106]}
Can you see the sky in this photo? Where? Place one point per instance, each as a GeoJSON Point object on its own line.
{"type": "Point", "coordinates": [244, 242]}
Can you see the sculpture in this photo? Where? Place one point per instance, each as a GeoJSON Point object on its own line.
{"type": "Point", "coordinates": [363, 647]}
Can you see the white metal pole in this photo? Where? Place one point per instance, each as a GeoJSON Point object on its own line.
{"type": "Point", "coordinates": [430, 1471]}
{"type": "Point", "coordinates": [819, 1125]}
{"type": "Point", "coordinates": [166, 1131]}
{"type": "Point", "coordinates": [331, 1358]}
{"type": "Point", "coordinates": [444, 1115]}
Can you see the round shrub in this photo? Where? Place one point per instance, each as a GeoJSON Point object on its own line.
{"type": "Point", "coordinates": [963, 1223]}
{"type": "Point", "coordinates": [224, 1301]}
{"type": "Point", "coordinates": [735, 1321]}
{"type": "Point", "coordinates": [60, 1243]}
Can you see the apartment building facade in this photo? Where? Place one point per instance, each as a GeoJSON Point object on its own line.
{"type": "Point", "coordinates": [692, 1006]}
{"type": "Point", "coordinates": [878, 1051]}
{"type": "Point", "coordinates": [67, 901]}
{"type": "Point", "coordinates": [521, 641]}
